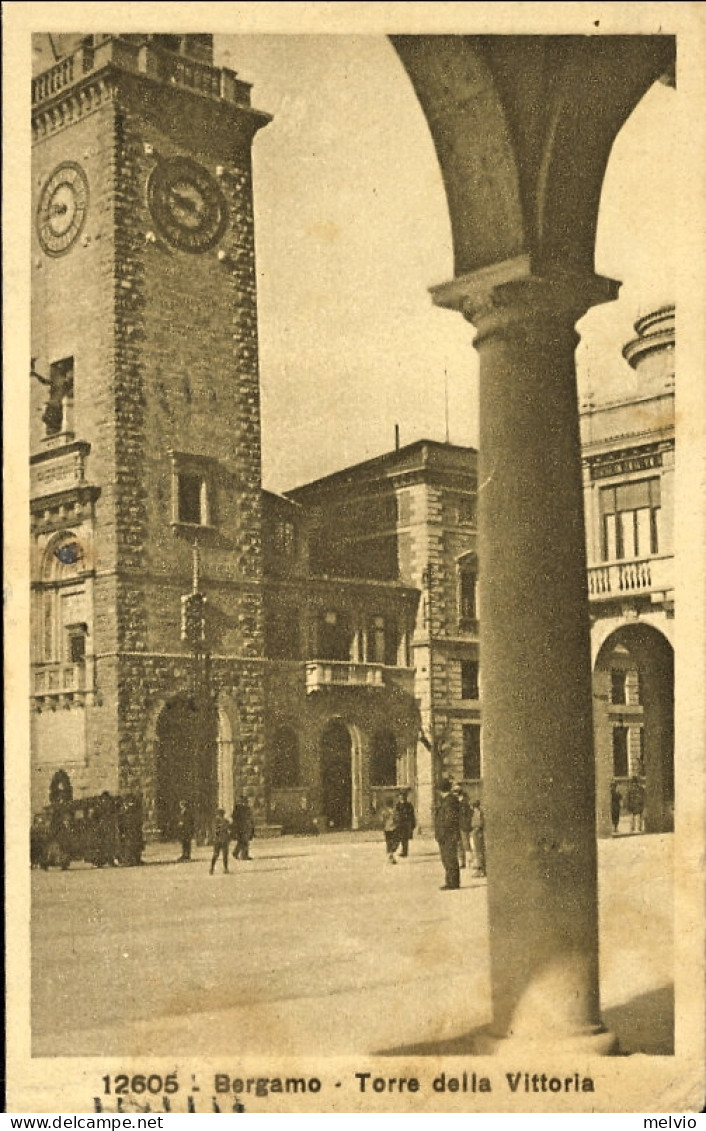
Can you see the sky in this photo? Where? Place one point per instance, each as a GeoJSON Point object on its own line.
{"type": "Point", "coordinates": [351, 231]}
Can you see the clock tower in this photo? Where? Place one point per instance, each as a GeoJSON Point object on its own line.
{"type": "Point", "coordinates": [145, 428]}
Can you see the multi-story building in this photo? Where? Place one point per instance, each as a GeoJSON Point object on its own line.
{"type": "Point", "coordinates": [194, 635]}
{"type": "Point", "coordinates": [628, 460]}
{"type": "Point", "coordinates": [145, 425]}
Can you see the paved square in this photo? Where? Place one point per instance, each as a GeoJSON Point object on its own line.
{"type": "Point", "coordinates": [316, 946]}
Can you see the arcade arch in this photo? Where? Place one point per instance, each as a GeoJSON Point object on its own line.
{"type": "Point", "coordinates": [634, 721]}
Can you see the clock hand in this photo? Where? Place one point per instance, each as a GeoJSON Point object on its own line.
{"type": "Point", "coordinates": [184, 202]}
{"type": "Point", "coordinates": [58, 209]}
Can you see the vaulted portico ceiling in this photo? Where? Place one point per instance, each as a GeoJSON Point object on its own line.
{"type": "Point", "coordinates": [523, 128]}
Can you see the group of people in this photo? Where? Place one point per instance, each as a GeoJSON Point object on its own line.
{"type": "Point", "coordinates": [104, 831]}
{"type": "Point", "coordinates": [634, 803]}
{"type": "Point", "coordinates": [398, 823]}
{"type": "Point", "coordinates": [240, 828]}
{"type": "Point", "coordinates": [459, 829]}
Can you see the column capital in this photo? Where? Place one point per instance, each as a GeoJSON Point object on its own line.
{"type": "Point", "coordinates": [513, 291]}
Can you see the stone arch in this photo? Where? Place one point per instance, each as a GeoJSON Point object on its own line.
{"type": "Point", "coordinates": [523, 127]}
{"type": "Point", "coordinates": [186, 763]}
{"type": "Point", "coordinates": [340, 748]}
{"type": "Point", "coordinates": [634, 720]}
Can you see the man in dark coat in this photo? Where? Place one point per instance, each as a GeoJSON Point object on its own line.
{"type": "Point", "coordinates": [616, 803]}
{"type": "Point", "coordinates": [406, 821]}
{"type": "Point", "coordinates": [221, 839]}
{"type": "Point", "coordinates": [446, 832]}
{"type": "Point", "coordinates": [185, 830]}
{"type": "Point", "coordinates": [243, 830]}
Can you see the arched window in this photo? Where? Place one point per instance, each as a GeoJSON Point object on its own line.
{"type": "Point", "coordinates": [284, 759]}
{"type": "Point", "coordinates": [467, 581]}
{"type": "Point", "coordinates": [383, 759]}
{"type": "Point", "coordinates": [62, 615]}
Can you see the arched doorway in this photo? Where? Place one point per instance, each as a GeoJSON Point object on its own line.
{"type": "Point", "coordinates": [634, 731]}
{"type": "Point", "coordinates": [186, 763]}
{"type": "Point", "coordinates": [337, 775]}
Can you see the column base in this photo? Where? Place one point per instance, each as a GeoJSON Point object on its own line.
{"type": "Point", "coordinates": [592, 1042]}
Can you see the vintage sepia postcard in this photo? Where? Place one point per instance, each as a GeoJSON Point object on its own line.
{"type": "Point", "coordinates": [355, 526]}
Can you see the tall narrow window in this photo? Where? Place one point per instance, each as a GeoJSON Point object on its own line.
{"type": "Point", "coordinates": [469, 679]}
{"type": "Point", "coordinates": [471, 752]}
{"type": "Point", "coordinates": [467, 607]}
{"type": "Point", "coordinates": [620, 752]}
{"type": "Point", "coordinates": [618, 686]}
{"type": "Point", "coordinates": [192, 490]}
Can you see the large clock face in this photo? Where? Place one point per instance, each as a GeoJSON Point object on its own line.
{"type": "Point", "coordinates": [62, 210]}
{"type": "Point", "coordinates": [187, 205]}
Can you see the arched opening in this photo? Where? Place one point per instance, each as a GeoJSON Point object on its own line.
{"type": "Point", "coordinates": [383, 759]}
{"type": "Point", "coordinates": [634, 695]}
{"type": "Point", "coordinates": [284, 759]}
{"type": "Point", "coordinates": [186, 763]}
{"type": "Point", "coordinates": [337, 775]}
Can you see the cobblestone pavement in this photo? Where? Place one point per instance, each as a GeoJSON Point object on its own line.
{"type": "Point", "coordinates": [316, 945]}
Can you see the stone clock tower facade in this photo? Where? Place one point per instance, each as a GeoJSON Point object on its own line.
{"type": "Point", "coordinates": [145, 427]}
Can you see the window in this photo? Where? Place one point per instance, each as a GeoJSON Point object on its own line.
{"type": "Point", "coordinates": [471, 752]}
{"type": "Point", "coordinates": [467, 581]}
{"type": "Point", "coordinates": [335, 637]}
{"type": "Point", "coordinates": [77, 644]}
{"type": "Point", "coordinates": [381, 641]}
{"type": "Point", "coordinates": [466, 511]}
{"type": "Point", "coordinates": [191, 490]}
{"type": "Point", "coordinates": [285, 538]}
{"type": "Point", "coordinates": [469, 679]}
{"type": "Point", "coordinates": [630, 518]}
{"type": "Point", "coordinates": [618, 686]}
{"type": "Point", "coordinates": [620, 752]}
{"type": "Point", "coordinates": [58, 411]}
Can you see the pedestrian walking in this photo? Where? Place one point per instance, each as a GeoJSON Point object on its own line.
{"type": "Point", "coordinates": [221, 840]}
{"type": "Point", "coordinates": [478, 838]}
{"type": "Point", "coordinates": [636, 804]}
{"type": "Point", "coordinates": [131, 840]}
{"type": "Point", "coordinates": [243, 830]}
{"type": "Point", "coordinates": [446, 831]}
{"type": "Point", "coordinates": [616, 804]}
{"type": "Point", "coordinates": [390, 829]}
{"type": "Point", "coordinates": [464, 825]}
{"type": "Point", "coordinates": [406, 821]}
{"type": "Point", "coordinates": [185, 830]}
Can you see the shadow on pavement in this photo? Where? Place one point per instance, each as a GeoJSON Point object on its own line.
{"type": "Point", "coordinates": [643, 1025]}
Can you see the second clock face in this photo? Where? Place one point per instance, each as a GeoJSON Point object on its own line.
{"type": "Point", "coordinates": [187, 205]}
{"type": "Point", "coordinates": [62, 208]}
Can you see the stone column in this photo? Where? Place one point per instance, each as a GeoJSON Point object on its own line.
{"type": "Point", "coordinates": [538, 770]}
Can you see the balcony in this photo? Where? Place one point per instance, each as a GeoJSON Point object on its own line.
{"type": "Point", "coordinates": [341, 673]}
{"type": "Point", "coordinates": [648, 576]}
{"type": "Point", "coordinates": [59, 679]}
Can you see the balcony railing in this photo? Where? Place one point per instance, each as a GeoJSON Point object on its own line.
{"type": "Point", "coordinates": [59, 679]}
{"type": "Point", "coordinates": [630, 578]}
{"type": "Point", "coordinates": [340, 673]}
